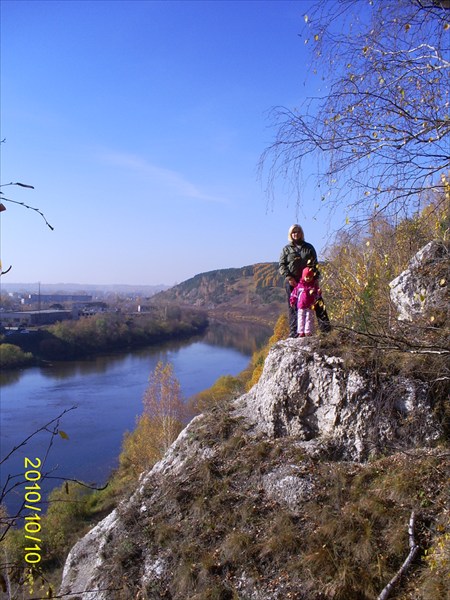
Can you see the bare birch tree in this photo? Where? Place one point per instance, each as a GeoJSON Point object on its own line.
{"type": "Point", "coordinates": [379, 128]}
{"type": "Point", "coordinates": [163, 404]}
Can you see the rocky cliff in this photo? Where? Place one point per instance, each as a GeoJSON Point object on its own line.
{"type": "Point", "coordinates": [302, 488]}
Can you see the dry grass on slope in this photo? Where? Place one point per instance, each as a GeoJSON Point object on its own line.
{"type": "Point", "coordinates": [265, 519]}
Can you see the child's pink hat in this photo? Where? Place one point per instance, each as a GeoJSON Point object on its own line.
{"type": "Point", "coordinates": [307, 272]}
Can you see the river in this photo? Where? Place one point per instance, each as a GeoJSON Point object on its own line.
{"type": "Point", "coordinates": [106, 392]}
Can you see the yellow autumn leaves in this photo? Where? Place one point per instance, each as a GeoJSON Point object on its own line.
{"type": "Point", "coordinates": [358, 268]}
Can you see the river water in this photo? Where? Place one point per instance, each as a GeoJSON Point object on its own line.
{"type": "Point", "coordinates": [103, 397]}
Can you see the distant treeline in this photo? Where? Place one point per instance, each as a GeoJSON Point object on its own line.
{"type": "Point", "coordinates": [103, 333]}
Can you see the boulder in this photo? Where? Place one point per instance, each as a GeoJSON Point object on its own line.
{"type": "Point", "coordinates": [422, 288]}
{"type": "Point", "coordinates": [355, 415]}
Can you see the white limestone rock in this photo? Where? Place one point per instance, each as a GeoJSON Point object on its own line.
{"type": "Point", "coordinates": [423, 286]}
{"type": "Point", "coordinates": [314, 397]}
{"type": "Point", "coordinates": [83, 573]}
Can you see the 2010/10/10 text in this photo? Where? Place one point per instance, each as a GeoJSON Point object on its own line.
{"type": "Point", "coordinates": [33, 554]}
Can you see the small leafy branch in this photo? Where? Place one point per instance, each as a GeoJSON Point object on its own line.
{"type": "Point", "coordinates": [13, 576]}
{"type": "Point", "coordinates": [23, 185]}
{"type": "Point", "coordinates": [3, 198]}
{"type": "Point", "coordinates": [53, 428]}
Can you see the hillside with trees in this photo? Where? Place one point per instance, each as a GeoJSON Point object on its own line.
{"type": "Point", "coordinates": [253, 292]}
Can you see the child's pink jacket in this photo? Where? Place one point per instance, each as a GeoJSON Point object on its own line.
{"type": "Point", "coordinates": [305, 294]}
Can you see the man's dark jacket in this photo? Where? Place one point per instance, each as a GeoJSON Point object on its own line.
{"type": "Point", "coordinates": [295, 257]}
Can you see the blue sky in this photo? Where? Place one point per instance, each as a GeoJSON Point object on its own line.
{"type": "Point", "coordinates": [140, 124]}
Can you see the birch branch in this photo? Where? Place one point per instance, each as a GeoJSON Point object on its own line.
{"type": "Point", "coordinates": [413, 549]}
{"type": "Point", "coordinates": [24, 185]}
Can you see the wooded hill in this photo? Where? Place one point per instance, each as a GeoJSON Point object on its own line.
{"type": "Point", "coordinates": [253, 292]}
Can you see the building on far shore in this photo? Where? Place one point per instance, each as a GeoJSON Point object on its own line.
{"type": "Point", "coordinates": [30, 299]}
{"type": "Point", "coordinates": [87, 309]}
{"type": "Point", "coordinates": [48, 316]}
{"type": "Point", "coordinates": [17, 318]}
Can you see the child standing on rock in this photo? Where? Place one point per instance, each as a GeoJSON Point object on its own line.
{"type": "Point", "coordinates": [305, 295]}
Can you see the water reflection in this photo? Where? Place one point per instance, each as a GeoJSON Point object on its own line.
{"type": "Point", "coordinates": [245, 337]}
{"type": "Point", "coordinates": [9, 377]}
{"type": "Point", "coordinates": [104, 362]}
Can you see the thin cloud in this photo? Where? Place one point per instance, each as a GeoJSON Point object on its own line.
{"type": "Point", "coordinates": [165, 178]}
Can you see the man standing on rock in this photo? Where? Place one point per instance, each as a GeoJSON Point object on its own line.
{"type": "Point", "coordinates": [297, 255]}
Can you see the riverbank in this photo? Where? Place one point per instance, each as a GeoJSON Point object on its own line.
{"type": "Point", "coordinates": [106, 334]}
{"type": "Point", "coordinates": [91, 336]}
